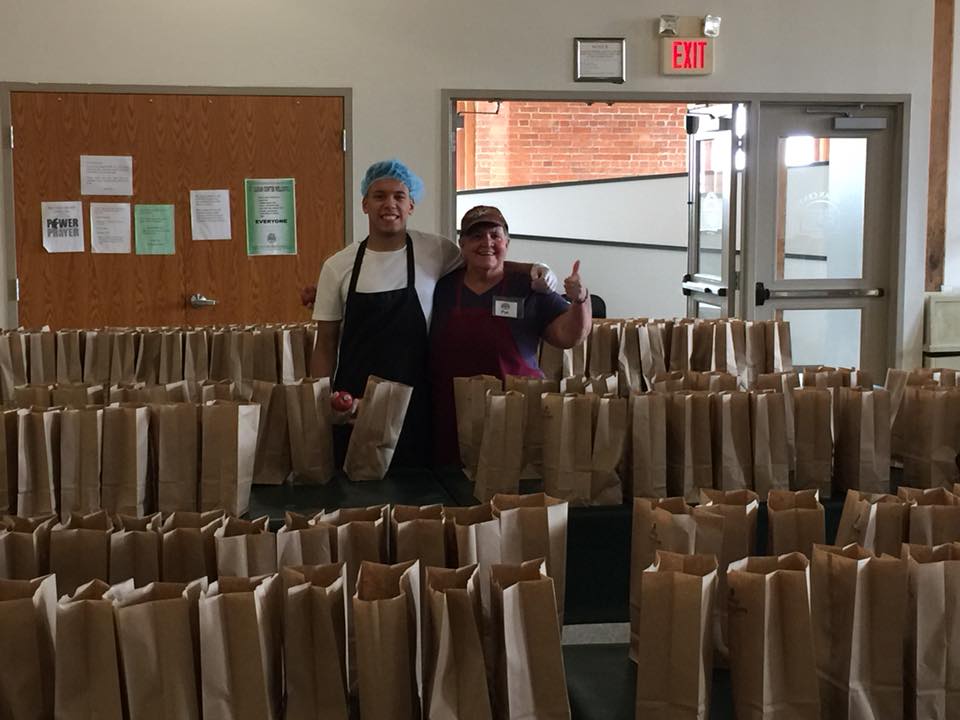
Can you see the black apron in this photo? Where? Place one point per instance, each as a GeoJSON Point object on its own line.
{"type": "Point", "coordinates": [385, 334]}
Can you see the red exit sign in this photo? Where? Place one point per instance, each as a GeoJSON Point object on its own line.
{"type": "Point", "coordinates": [686, 56]}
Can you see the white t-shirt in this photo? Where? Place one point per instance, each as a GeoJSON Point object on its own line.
{"type": "Point", "coordinates": [433, 256]}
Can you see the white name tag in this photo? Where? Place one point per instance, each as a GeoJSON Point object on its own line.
{"type": "Point", "coordinates": [507, 307]}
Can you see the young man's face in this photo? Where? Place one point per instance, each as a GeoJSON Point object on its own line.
{"type": "Point", "coordinates": [388, 205]}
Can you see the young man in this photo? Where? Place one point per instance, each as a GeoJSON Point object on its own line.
{"type": "Point", "coordinates": [374, 300]}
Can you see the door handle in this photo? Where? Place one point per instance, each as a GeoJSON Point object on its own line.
{"type": "Point", "coordinates": [762, 294]}
{"type": "Point", "coordinates": [689, 287]}
{"type": "Point", "coordinates": [199, 300]}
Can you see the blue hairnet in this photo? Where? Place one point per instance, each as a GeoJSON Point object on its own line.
{"type": "Point", "coordinates": [396, 170]}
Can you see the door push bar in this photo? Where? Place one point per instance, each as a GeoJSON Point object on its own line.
{"type": "Point", "coordinates": [689, 287]}
{"type": "Point", "coordinates": [199, 300]}
{"type": "Point", "coordinates": [762, 294]}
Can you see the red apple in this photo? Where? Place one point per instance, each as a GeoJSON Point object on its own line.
{"type": "Point", "coordinates": [341, 401]}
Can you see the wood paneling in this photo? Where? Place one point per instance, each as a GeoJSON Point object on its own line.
{"type": "Point", "coordinates": [178, 143]}
{"type": "Point", "coordinates": [939, 141]}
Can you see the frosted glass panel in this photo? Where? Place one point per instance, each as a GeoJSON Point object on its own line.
{"type": "Point", "coordinates": [825, 337]}
{"type": "Point", "coordinates": [820, 226]}
{"type": "Point", "coordinates": [706, 310]}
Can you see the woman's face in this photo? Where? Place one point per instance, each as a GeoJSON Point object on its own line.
{"type": "Point", "coordinates": [485, 247]}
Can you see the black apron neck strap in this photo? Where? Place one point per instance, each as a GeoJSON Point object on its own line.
{"type": "Point", "coordinates": [358, 262]}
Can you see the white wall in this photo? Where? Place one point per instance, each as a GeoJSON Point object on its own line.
{"type": "Point", "coordinates": [398, 57]}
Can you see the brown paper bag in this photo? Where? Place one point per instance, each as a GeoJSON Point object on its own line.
{"type": "Point", "coordinates": [135, 550]}
{"type": "Point", "coordinates": [700, 334]}
{"type": "Point", "coordinates": [81, 432]}
{"type": "Point", "coordinates": [535, 526]}
{"type": "Point", "coordinates": [648, 456]}
{"type": "Point", "coordinates": [87, 668]}
{"type": "Point", "coordinates": [25, 546]}
{"type": "Point", "coordinates": [676, 606]}
{"type": "Point", "coordinates": [386, 612]}
{"type": "Point", "coordinates": [934, 515]}
{"type": "Point", "coordinates": [629, 367]}
{"type": "Point", "coordinates": [455, 679]}
{"type": "Point", "coordinates": [771, 462]}
{"type": "Point", "coordinates": [174, 439]}
{"type": "Point", "coordinates": [38, 469]}
{"type": "Point", "coordinates": [69, 344]}
{"type": "Point", "coordinates": [241, 648]}
{"type": "Point", "coordinates": [265, 354]}
{"type": "Point", "coordinates": [9, 461]}
{"type": "Point", "coordinates": [147, 368]}
{"type": "Point", "coordinates": [377, 429]}
{"type": "Point", "coordinates": [126, 438]}
{"type": "Point", "coordinates": [729, 349]}
{"type": "Point", "coordinates": [272, 463]}
{"type": "Point", "coordinates": [27, 630]}
{"type": "Point", "coordinates": [170, 368]}
{"type": "Point", "coordinates": [732, 446]}
{"type": "Point", "coordinates": [666, 524]}
{"type": "Point", "coordinates": [501, 448]}
{"type": "Point", "coordinates": [188, 546]}
{"type": "Point", "coordinates": [530, 678]}
{"type": "Point", "coordinates": [80, 551]}
{"type": "Point", "coordinates": [773, 669]}
{"type": "Point", "coordinates": [158, 636]}
{"type": "Point", "coordinates": [591, 384]}
{"type": "Point", "coordinates": [33, 395]}
{"type": "Point", "coordinates": [651, 337]}
{"type": "Point", "coordinates": [875, 522]}
{"type": "Point", "coordinates": [680, 341]}
{"type": "Point", "coordinates": [228, 448]}
{"type": "Point", "coordinates": [309, 427]}
{"type": "Point", "coordinates": [123, 358]}
{"type": "Point", "coordinates": [97, 352]}
{"type": "Point", "coordinates": [779, 354]}
{"type": "Point", "coordinates": [195, 360]}
{"type": "Point", "coordinates": [460, 526]}
{"type": "Point", "coordinates": [689, 452]}
{"type": "Point", "coordinates": [813, 421]}
{"type": "Point", "coordinates": [863, 440]}
{"type": "Point", "coordinates": [470, 397]}
{"type": "Point", "coordinates": [79, 395]}
{"type": "Point", "coordinates": [42, 356]}
{"type": "Point", "coordinates": [609, 449]}
{"type": "Point", "coordinates": [576, 360]}
{"type": "Point", "coordinates": [929, 429]}
{"type": "Point", "coordinates": [532, 390]}
{"type": "Point", "coordinates": [293, 366]}
{"type": "Point", "coordinates": [417, 533]}
{"type": "Point", "coordinates": [305, 541]}
{"type": "Point", "coordinates": [314, 648]}
{"type": "Point", "coordinates": [795, 522]}
{"type": "Point", "coordinates": [755, 353]}
{"type": "Point", "coordinates": [550, 361]}
{"type": "Point", "coordinates": [218, 390]}
{"type": "Point", "coordinates": [859, 610]}
{"type": "Point", "coordinates": [604, 342]}
{"type": "Point", "coordinates": [13, 372]}
{"type": "Point", "coordinates": [245, 548]}
{"type": "Point", "coordinates": [931, 675]}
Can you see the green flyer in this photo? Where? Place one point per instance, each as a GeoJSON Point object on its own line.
{"type": "Point", "coordinates": [153, 229]}
{"type": "Point", "coordinates": [271, 216]}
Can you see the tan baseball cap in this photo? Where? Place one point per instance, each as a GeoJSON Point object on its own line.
{"type": "Point", "coordinates": [479, 215]}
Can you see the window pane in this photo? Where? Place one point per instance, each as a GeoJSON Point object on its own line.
{"type": "Point", "coordinates": [820, 220]}
{"type": "Point", "coordinates": [824, 337]}
{"type": "Point", "coordinates": [714, 168]}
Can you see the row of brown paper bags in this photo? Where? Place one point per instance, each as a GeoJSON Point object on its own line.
{"type": "Point", "coordinates": [589, 447]}
{"type": "Point", "coordinates": [293, 645]}
{"type": "Point", "coordinates": [926, 429]}
{"type": "Point", "coordinates": [272, 353]}
{"type": "Point", "coordinates": [847, 634]}
{"type": "Point", "coordinates": [641, 349]}
{"type": "Point", "coordinates": [183, 546]}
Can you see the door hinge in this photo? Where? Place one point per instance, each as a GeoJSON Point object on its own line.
{"type": "Point", "coordinates": [344, 139]}
{"type": "Point", "coordinates": [11, 137]}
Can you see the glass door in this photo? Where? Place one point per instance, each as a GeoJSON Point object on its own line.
{"type": "Point", "coordinates": [827, 184]}
{"type": "Point", "coordinates": [709, 283]}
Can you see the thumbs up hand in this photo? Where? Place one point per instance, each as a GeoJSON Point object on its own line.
{"type": "Point", "coordinates": [572, 286]}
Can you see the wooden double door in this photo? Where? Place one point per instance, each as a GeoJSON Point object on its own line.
{"type": "Point", "coordinates": [179, 143]}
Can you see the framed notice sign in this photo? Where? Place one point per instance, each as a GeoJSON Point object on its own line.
{"type": "Point", "coordinates": [600, 60]}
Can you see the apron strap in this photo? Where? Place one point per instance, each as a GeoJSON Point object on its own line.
{"type": "Point", "coordinates": [357, 262]}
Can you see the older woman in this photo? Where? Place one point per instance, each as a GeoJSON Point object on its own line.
{"type": "Point", "coordinates": [487, 320]}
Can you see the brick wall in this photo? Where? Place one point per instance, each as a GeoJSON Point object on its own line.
{"type": "Point", "coordinates": [529, 143]}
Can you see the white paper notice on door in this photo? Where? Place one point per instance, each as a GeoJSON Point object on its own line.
{"type": "Point", "coordinates": [110, 227]}
{"type": "Point", "coordinates": [106, 175]}
{"type": "Point", "coordinates": [210, 214]}
{"type": "Point", "coordinates": [62, 226]}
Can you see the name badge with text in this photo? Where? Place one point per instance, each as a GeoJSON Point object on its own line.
{"type": "Point", "coordinates": [507, 307]}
